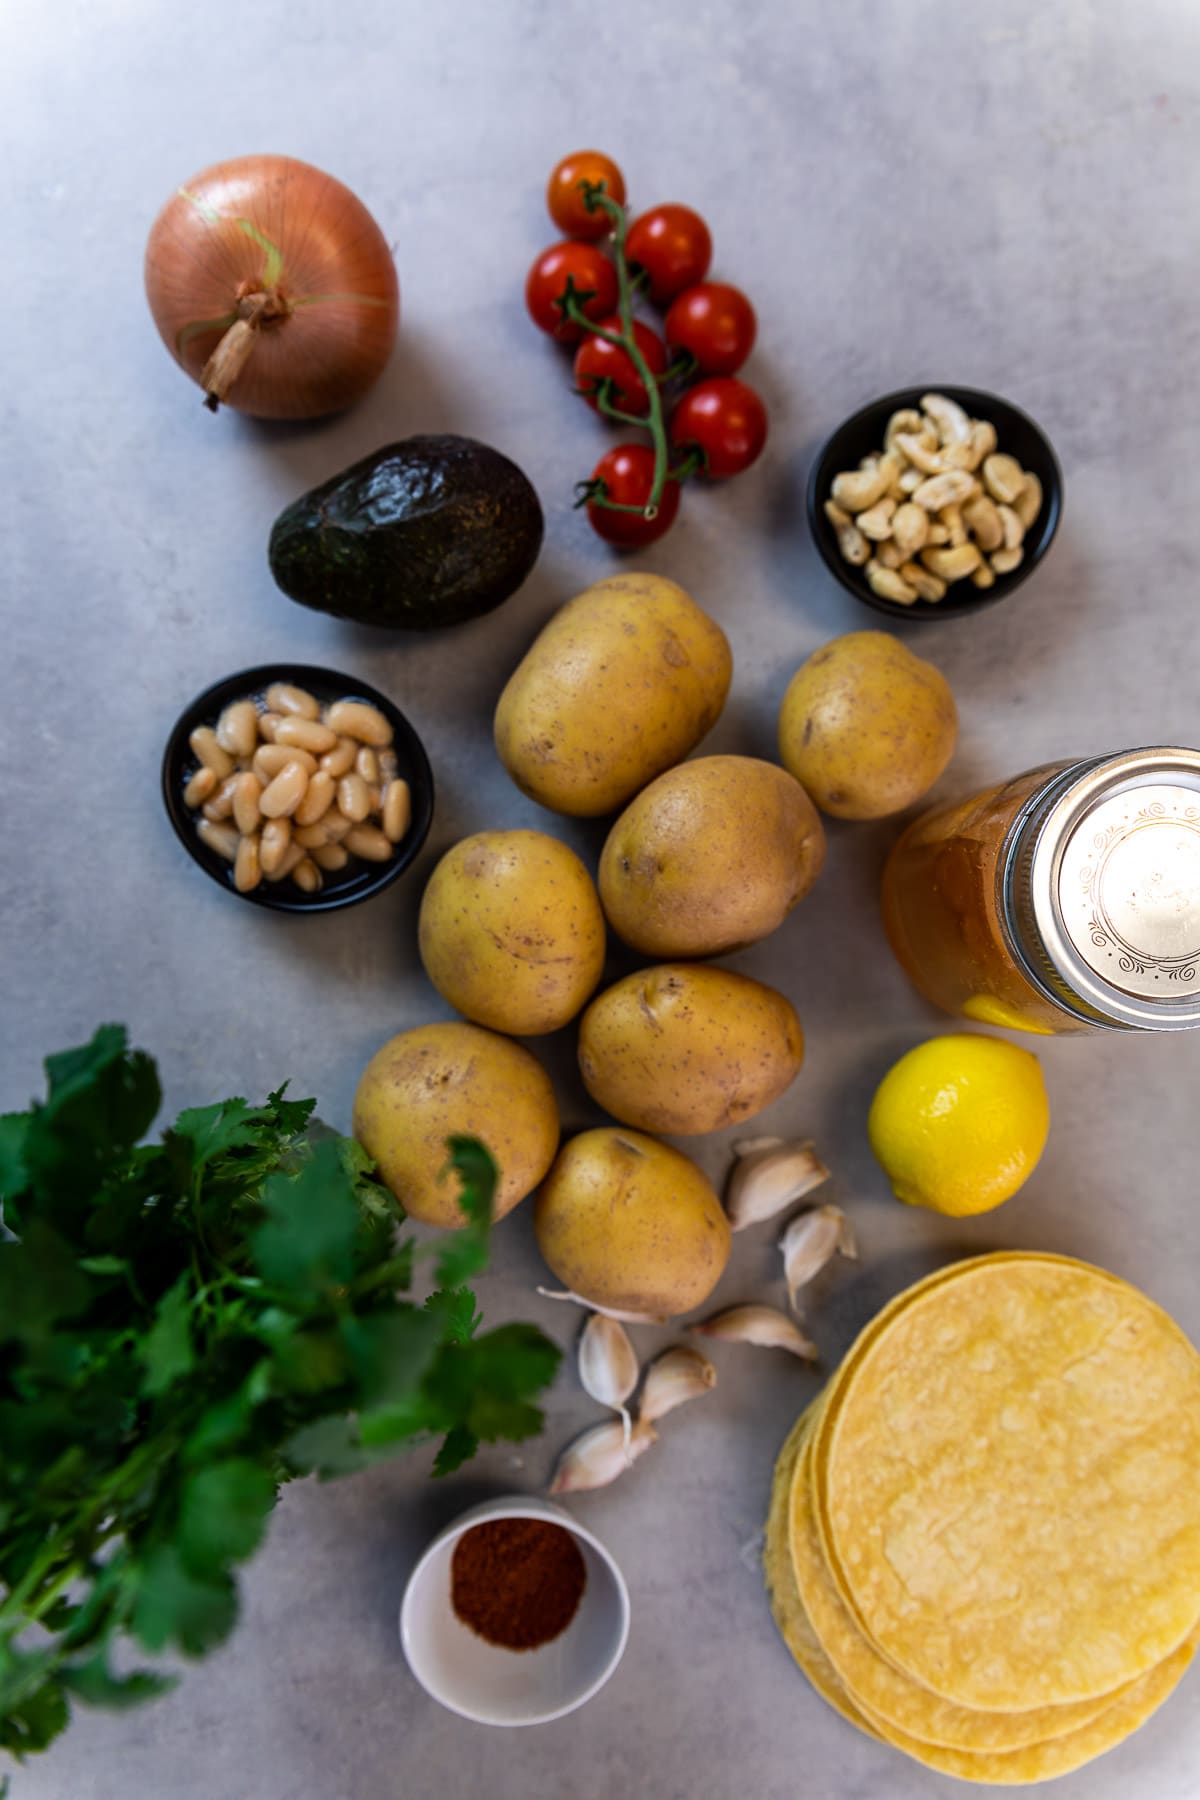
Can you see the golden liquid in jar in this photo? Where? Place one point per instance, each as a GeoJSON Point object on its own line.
{"type": "Point", "coordinates": [941, 911]}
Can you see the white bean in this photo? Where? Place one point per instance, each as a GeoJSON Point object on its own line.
{"type": "Point", "coordinates": [354, 718]}
{"type": "Point", "coordinates": [221, 838]}
{"type": "Point", "coordinates": [353, 797]}
{"type": "Point", "coordinates": [199, 787]}
{"type": "Point", "coordinates": [397, 810]}
{"type": "Point", "coordinates": [247, 791]}
{"type": "Point", "coordinates": [206, 749]}
{"type": "Point", "coordinates": [369, 843]}
{"type": "Point", "coordinates": [308, 734]}
{"type": "Point", "coordinates": [276, 842]}
{"type": "Point", "coordinates": [297, 702]}
{"type": "Point", "coordinates": [247, 868]}
{"type": "Point", "coordinates": [283, 796]}
{"type": "Point", "coordinates": [237, 728]}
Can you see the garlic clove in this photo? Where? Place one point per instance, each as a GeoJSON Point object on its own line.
{"type": "Point", "coordinates": [599, 1456]}
{"type": "Point", "coordinates": [768, 1175]}
{"type": "Point", "coordinates": [765, 1326]}
{"type": "Point", "coordinates": [809, 1242]}
{"type": "Point", "coordinates": [608, 1366]}
{"type": "Point", "coordinates": [678, 1375]}
{"type": "Point", "coordinates": [610, 1312]}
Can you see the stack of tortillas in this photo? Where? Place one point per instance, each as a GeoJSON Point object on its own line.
{"type": "Point", "coordinates": [984, 1538]}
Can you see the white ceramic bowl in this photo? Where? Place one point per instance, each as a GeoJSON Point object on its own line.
{"type": "Point", "coordinates": [494, 1686]}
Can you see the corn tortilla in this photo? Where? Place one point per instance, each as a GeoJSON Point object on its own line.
{"type": "Point", "coordinates": [1032, 1763]}
{"type": "Point", "coordinates": [1008, 1482]}
{"type": "Point", "coordinates": [894, 1700]}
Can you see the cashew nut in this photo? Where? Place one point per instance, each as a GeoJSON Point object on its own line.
{"type": "Point", "coordinates": [907, 419]}
{"type": "Point", "coordinates": [877, 523]}
{"type": "Point", "coordinates": [836, 514]}
{"type": "Point", "coordinates": [956, 532]}
{"type": "Point", "coordinates": [953, 425]}
{"type": "Point", "coordinates": [948, 489]}
{"type": "Point", "coordinates": [929, 587]}
{"type": "Point", "coordinates": [889, 585]}
{"type": "Point", "coordinates": [856, 490]}
{"type": "Point", "coordinates": [982, 441]}
{"type": "Point", "coordinates": [983, 521]}
{"type": "Point", "coordinates": [938, 533]}
{"type": "Point", "coordinates": [983, 576]}
{"type": "Point", "coordinates": [1014, 531]}
{"type": "Point", "coordinates": [889, 554]}
{"type": "Point", "coordinates": [910, 480]}
{"type": "Point", "coordinates": [1028, 503]}
{"type": "Point", "coordinates": [852, 544]}
{"type": "Point", "coordinates": [1003, 477]}
{"type": "Point", "coordinates": [919, 451]}
{"type": "Point", "coordinates": [955, 562]}
{"type": "Point", "coordinates": [1005, 561]}
{"type": "Point", "coordinates": [910, 527]}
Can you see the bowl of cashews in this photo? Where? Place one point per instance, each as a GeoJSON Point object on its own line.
{"type": "Point", "coordinates": [932, 502]}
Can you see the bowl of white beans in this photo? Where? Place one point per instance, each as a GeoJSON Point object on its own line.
{"type": "Point", "coordinates": [297, 788]}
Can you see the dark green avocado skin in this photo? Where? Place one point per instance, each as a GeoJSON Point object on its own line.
{"type": "Point", "coordinates": [424, 533]}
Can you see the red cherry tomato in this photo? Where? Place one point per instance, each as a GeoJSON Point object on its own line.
{"type": "Point", "coordinates": [596, 359]}
{"type": "Point", "coordinates": [590, 271]}
{"type": "Point", "coordinates": [628, 476]}
{"type": "Point", "coordinates": [672, 244]}
{"type": "Point", "coordinates": [724, 419]}
{"type": "Point", "coordinates": [564, 195]}
{"type": "Point", "coordinates": [716, 323]}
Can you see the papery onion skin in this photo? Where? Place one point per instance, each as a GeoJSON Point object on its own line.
{"type": "Point", "coordinates": [313, 246]}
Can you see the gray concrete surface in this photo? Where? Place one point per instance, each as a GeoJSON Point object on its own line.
{"type": "Point", "coordinates": [1005, 197]}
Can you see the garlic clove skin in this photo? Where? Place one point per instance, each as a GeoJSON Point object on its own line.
{"type": "Point", "coordinates": [597, 1457]}
{"type": "Point", "coordinates": [608, 1366]}
{"type": "Point", "coordinates": [678, 1375]}
{"type": "Point", "coordinates": [609, 1312]}
{"type": "Point", "coordinates": [764, 1326]}
{"type": "Point", "coordinates": [811, 1239]}
{"type": "Point", "coordinates": [768, 1175]}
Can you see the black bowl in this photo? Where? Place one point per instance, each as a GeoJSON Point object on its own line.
{"type": "Point", "coordinates": [863, 432]}
{"type": "Point", "coordinates": [346, 887]}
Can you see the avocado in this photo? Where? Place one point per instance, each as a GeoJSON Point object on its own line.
{"type": "Point", "coordinates": [424, 533]}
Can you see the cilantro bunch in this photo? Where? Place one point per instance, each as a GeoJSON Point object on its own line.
{"type": "Point", "coordinates": [184, 1325]}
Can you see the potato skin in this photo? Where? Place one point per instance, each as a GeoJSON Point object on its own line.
{"type": "Point", "coordinates": [867, 726]}
{"type": "Point", "coordinates": [511, 932]}
{"type": "Point", "coordinates": [712, 855]}
{"type": "Point", "coordinates": [621, 684]}
{"type": "Point", "coordinates": [627, 1222]}
{"type": "Point", "coordinates": [428, 1084]}
{"type": "Point", "coordinates": [688, 1048]}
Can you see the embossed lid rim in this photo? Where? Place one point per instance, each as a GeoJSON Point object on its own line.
{"type": "Point", "coordinates": [1154, 988]}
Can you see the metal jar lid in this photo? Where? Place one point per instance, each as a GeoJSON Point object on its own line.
{"type": "Point", "coordinates": [1101, 890]}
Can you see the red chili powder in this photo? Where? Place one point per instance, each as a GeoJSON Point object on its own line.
{"type": "Point", "coordinates": [517, 1582]}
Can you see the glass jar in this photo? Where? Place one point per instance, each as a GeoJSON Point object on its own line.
{"type": "Point", "coordinates": [1063, 900]}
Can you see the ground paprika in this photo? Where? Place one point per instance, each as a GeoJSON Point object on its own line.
{"type": "Point", "coordinates": [517, 1582]}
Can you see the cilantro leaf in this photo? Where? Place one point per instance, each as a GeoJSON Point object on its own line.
{"type": "Point", "coordinates": [458, 1446]}
{"type": "Point", "coordinates": [307, 1245]}
{"type": "Point", "coordinates": [457, 1310]}
{"type": "Point", "coordinates": [94, 1682]}
{"type": "Point", "coordinates": [39, 1284]}
{"type": "Point", "coordinates": [214, 1130]}
{"type": "Point", "coordinates": [167, 1346]}
{"type": "Point", "coordinates": [173, 1607]}
{"type": "Point", "coordinates": [223, 1514]}
{"type": "Point", "coordinates": [465, 1253]}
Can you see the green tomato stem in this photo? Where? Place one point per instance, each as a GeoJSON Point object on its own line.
{"type": "Point", "coordinates": [655, 421]}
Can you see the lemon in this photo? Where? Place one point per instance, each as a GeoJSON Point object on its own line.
{"type": "Point", "coordinates": [960, 1122]}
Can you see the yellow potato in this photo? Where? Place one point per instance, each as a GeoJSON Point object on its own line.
{"type": "Point", "coordinates": [511, 932]}
{"type": "Point", "coordinates": [686, 1048]}
{"type": "Point", "coordinates": [713, 854]}
{"type": "Point", "coordinates": [430, 1084]}
{"type": "Point", "coordinates": [630, 1224]}
{"type": "Point", "coordinates": [867, 726]}
{"type": "Point", "coordinates": [622, 683]}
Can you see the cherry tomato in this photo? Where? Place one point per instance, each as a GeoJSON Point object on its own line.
{"type": "Point", "coordinates": [591, 272]}
{"type": "Point", "coordinates": [596, 358]}
{"type": "Point", "coordinates": [564, 196]}
{"type": "Point", "coordinates": [716, 323]}
{"type": "Point", "coordinates": [672, 244]}
{"type": "Point", "coordinates": [724, 419]}
{"type": "Point", "coordinates": [628, 475]}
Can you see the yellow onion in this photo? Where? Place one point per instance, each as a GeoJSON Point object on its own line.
{"type": "Point", "coordinates": [273, 287]}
